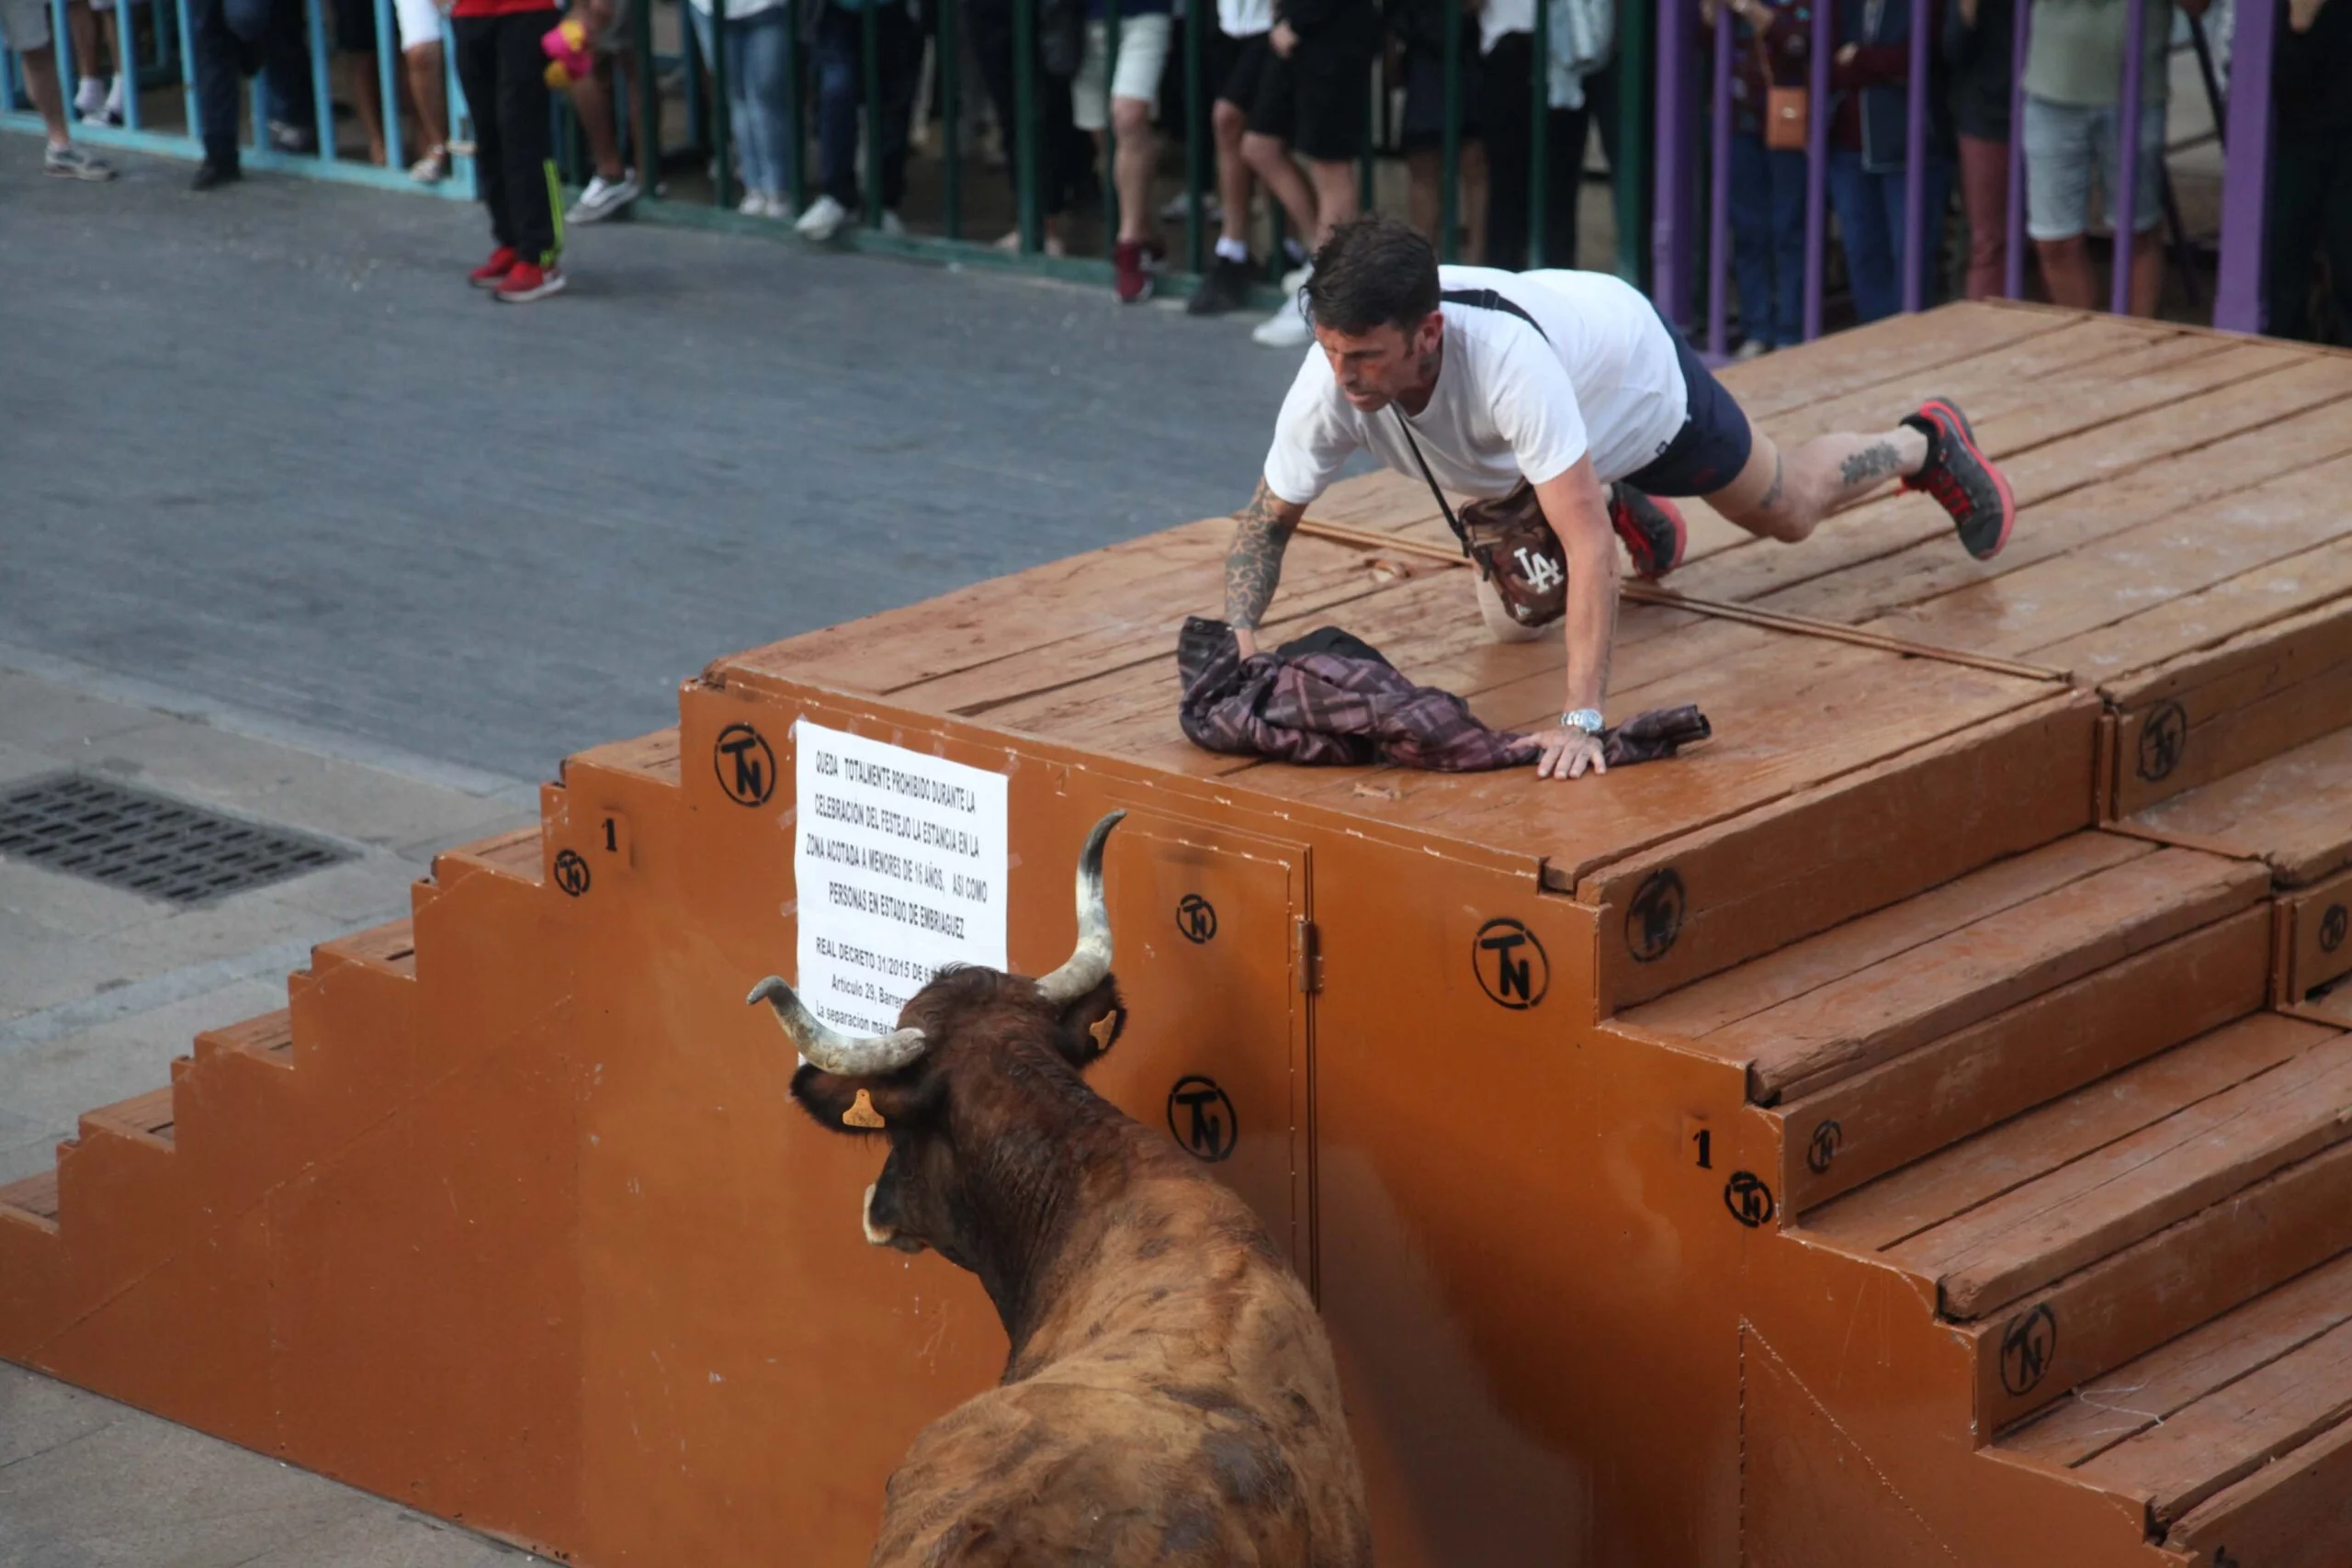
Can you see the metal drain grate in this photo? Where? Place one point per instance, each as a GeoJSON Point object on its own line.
{"type": "Point", "coordinates": [147, 844]}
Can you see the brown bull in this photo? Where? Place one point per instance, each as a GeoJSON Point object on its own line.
{"type": "Point", "coordinates": [1168, 1395]}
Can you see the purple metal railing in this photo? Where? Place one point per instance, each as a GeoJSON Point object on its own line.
{"type": "Point", "coordinates": [1675, 232]}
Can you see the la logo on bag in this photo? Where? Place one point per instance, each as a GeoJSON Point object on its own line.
{"type": "Point", "coordinates": [1539, 571]}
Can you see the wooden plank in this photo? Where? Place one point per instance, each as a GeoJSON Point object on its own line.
{"type": "Point", "coordinates": [1803, 967]}
{"type": "Point", "coordinates": [2293, 810]}
{"type": "Point", "coordinates": [2141, 1394]}
{"type": "Point", "coordinates": [2067, 602]}
{"type": "Point", "coordinates": [2156, 377]}
{"type": "Point", "coordinates": [2294, 1513]}
{"type": "Point", "coordinates": [2317, 936]}
{"type": "Point", "coordinates": [2233, 1431]}
{"type": "Point", "coordinates": [1814, 858]}
{"type": "Point", "coordinates": [2097, 1319]}
{"type": "Point", "coordinates": [149, 1115]}
{"type": "Point", "coordinates": [654, 755]}
{"type": "Point", "coordinates": [2004, 379]}
{"type": "Point", "coordinates": [35, 1196]}
{"type": "Point", "coordinates": [2254, 695]}
{"type": "Point", "coordinates": [1913, 1201]}
{"type": "Point", "coordinates": [1877, 1121]}
{"type": "Point", "coordinates": [2173, 486]}
{"type": "Point", "coordinates": [1883, 352]}
{"type": "Point", "coordinates": [1958, 980]}
{"type": "Point", "coordinates": [2137, 1184]}
{"type": "Point", "coordinates": [2106, 454]}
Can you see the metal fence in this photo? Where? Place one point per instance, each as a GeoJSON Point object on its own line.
{"type": "Point", "coordinates": [1664, 112]}
{"type": "Point", "coordinates": [1683, 111]}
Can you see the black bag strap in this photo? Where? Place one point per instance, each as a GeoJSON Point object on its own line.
{"type": "Point", "coordinates": [1484, 299]}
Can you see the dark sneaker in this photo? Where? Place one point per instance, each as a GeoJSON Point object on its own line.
{"type": "Point", "coordinates": [1225, 287]}
{"type": "Point", "coordinates": [212, 173]}
{"type": "Point", "coordinates": [1131, 271]}
{"type": "Point", "coordinates": [1652, 529]}
{"type": "Point", "coordinates": [1962, 480]}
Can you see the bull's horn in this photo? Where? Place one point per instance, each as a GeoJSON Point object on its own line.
{"type": "Point", "coordinates": [1091, 961]}
{"type": "Point", "coordinates": [827, 1048]}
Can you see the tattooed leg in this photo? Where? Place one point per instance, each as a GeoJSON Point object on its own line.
{"type": "Point", "coordinates": [1254, 564]}
{"type": "Point", "coordinates": [1785, 495]}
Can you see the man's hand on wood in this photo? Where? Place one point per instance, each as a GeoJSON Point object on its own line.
{"type": "Point", "coordinates": [1567, 753]}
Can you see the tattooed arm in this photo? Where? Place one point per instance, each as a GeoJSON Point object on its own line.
{"type": "Point", "coordinates": [1255, 562]}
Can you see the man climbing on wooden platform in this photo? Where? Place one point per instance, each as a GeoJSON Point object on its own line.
{"type": "Point", "coordinates": [1570, 409]}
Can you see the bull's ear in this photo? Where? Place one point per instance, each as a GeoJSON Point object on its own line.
{"type": "Point", "coordinates": [1091, 1025]}
{"type": "Point", "coordinates": [858, 1105]}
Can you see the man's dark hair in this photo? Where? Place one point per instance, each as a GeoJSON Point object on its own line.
{"type": "Point", "coordinates": [1373, 272]}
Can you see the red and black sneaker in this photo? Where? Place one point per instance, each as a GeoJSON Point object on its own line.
{"type": "Point", "coordinates": [529, 281]}
{"type": "Point", "coordinates": [1652, 529]}
{"type": "Point", "coordinates": [1132, 262]}
{"type": "Point", "coordinates": [1962, 480]}
{"type": "Point", "coordinates": [493, 273]}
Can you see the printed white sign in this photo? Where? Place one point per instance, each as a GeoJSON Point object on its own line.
{"type": "Point", "coordinates": [900, 864]}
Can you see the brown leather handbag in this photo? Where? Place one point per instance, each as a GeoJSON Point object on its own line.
{"type": "Point", "coordinates": [1788, 111]}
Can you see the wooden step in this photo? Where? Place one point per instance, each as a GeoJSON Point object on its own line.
{"type": "Point", "coordinates": [32, 1200]}
{"type": "Point", "coordinates": [1877, 988]}
{"type": "Point", "coordinates": [146, 1118]}
{"type": "Point", "coordinates": [2206, 715]}
{"type": "Point", "coordinates": [2026, 1203]}
{"type": "Point", "coordinates": [654, 756]}
{"type": "Point", "coordinates": [1861, 1127]}
{"type": "Point", "coordinates": [270, 1037]}
{"type": "Point", "coordinates": [2233, 1434]}
{"type": "Point", "coordinates": [2294, 1512]}
{"type": "Point", "coordinates": [2292, 811]}
{"type": "Point", "coordinates": [389, 948]}
{"type": "Point", "coordinates": [515, 855]}
{"type": "Point", "coordinates": [2314, 939]}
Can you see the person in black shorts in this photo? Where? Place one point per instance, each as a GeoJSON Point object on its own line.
{"type": "Point", "coordinates": [1419, 27]}
{"type": "Point", "coordinates": [1308, 94]}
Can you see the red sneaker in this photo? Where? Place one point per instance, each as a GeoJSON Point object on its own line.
{"type": "Point", "coordinates": [1962, 480]}
{"type": "Point", "coordinates": [1653, 530]}
{"type": "Point", "coordinates": [527, 282]}
{"type": "Point", "coordinates": [493, 273]}
{"type": "Point", "coordinates": [1131, 271]}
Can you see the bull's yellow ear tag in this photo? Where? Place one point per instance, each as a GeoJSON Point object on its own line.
{"type": "Point", "coordinates": [862, 1114]}
{"type": "Point", "coordinates": [1103, 1028]}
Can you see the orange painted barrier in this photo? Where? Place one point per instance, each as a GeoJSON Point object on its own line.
{"type": "Point", "coordinates": [1884, 1134]}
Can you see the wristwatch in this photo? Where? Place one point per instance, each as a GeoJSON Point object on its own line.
{"type": "Point", "coordinates": [1587, 720]}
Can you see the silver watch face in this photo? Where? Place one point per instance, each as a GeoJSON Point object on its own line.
{"type": "Point", "coordinates": [1586, 719]}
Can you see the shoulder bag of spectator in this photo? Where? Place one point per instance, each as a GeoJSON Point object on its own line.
{"type": "Point", "coordinates": [1507, 539]}
{"type": "Point", "coordinates": [1788, 111]}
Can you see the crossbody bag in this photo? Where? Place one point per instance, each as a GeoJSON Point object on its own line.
{"type": "Point", "coordinates": [1507, 539]}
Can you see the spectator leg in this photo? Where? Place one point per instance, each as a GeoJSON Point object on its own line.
{"type": "Point", "coordinates": [527, 150]}
{"type": "Point", "coordinates": [1138, 159]}
{"type": "Point", "coordinates": [49, 99]}
{"type": "Point", "coordinates": [1270, 159]}
{"type": "Point", "coordinates": [428, 83]}
{"type": "Point", "coordinates": [1788, 184]}
{"type": "Point", "coordinates": [2335, 237]}
{"type": "Point", "coordinates": [1934, 198]}
{"type": "Point", "coordinates": [368, 98]}
{"type": "Point", "coordinates": [837, 49]}
{"type": "Point", "coordinates": [1228, 123]}
{"type": "Point", "coordinates": [1755, 247]}
{"type": "Point", "coordinates": [592, 101]}
{"type": "Point", "coordinates": [1985, 197]}
{"type": "Point", "coordinates": [901, 47]}
{"type": "Point", "coordinates": [764, 119]}
{"type": "Point", "coordinates": [1335, 193]}
{"type": "Point", "coordinates": [219, 60]}
{"type": "Point", "coordinates": [1861, 225]}
{"type": "Point", "coordinates": [1508, 123]}
{"type": "Point", "coordinates": [477, 47]}
{"type": "Point", "coordinates": [1563, 183]}
{"type": "Point", "coordinates": [284, 35]}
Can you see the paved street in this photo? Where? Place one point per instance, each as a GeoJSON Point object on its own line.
{"type": "Point", "coordinates": [294, 525]}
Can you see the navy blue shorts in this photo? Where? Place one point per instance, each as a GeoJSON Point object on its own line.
{"type": "Point", "coordinates": [1712, 445]}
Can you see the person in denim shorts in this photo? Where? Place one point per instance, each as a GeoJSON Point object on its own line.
{"type": "Point", "coordinates": [2073, 124]}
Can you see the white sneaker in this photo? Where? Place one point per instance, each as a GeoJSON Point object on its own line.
{"type": "Point", "coordinates": [604, 197]}
{"type": "Point", "coordinates": [822, 221]}
{"type": "Point", "coordinates": [71, 163]}
{"type": "Point", "coordinates": [1295, 279]}
{"type": "Point", "coordinates": [754, 205]}
{"type": "Point", "coordinates": [1752, 349]}
{"type": "Point", "coordinates": [891, 226]}
{"type": "Point", "coordinates": [1288, 326]}
{"type": "Point", "coordinates": [430, 169]}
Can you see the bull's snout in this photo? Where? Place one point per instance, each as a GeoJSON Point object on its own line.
{"type": "Point", "coordinates": [880, 1233]}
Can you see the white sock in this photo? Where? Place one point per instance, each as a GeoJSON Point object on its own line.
{"type": "Point", "coordinates": [1233, 250]}
{"type": "Point", "coordinates": [90, 95]}
{"type": "Point", "coordinates": [114, 95]}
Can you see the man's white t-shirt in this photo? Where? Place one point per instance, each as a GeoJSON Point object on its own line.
{"type": "Point", "coordinates": [1602, 377]}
